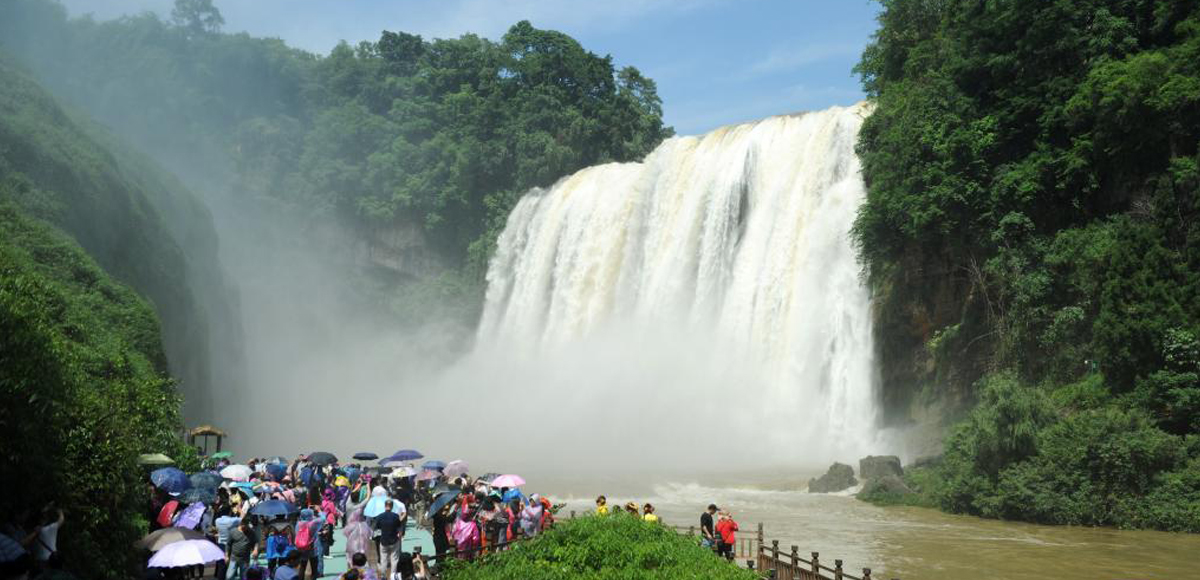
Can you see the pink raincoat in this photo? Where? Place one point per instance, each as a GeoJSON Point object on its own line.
{"type": "Point", "coordinates": [466, 533]}
{"type": "Point", "coordinates": [357, 532]}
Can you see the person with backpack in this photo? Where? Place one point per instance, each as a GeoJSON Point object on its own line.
{"type": "Point", "coordinates": [306, 542]}
{"type": "Point", "coordinates": [279, 547]}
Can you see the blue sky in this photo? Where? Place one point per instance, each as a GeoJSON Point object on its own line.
{"type": "Point", "coordinates": [716, 61]}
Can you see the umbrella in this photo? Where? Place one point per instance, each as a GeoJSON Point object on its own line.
{"type": "Point", "coordinates": [404, 471]}
{"type": "Point", "coordinates": [456, 468]}
{"type": "Point", "coordinates": [443, 487]}
{"type": "Point", "coordinates": [375, 506]}
{"type": "Point", "coordinates": [279, 460]}
{"type": "Point", "coordinates": [276, 471]}
{"type": "Point", "coordinates": [406, 455]}
{"type": "Point", "coordinates": [202, 495]}
{"type": "Point", "coordinates": [352, 473]}
{"type": "Point", "coordinates": [187, 553]}
{"type": "Point", "coordinates": [322, 458]}
{"type": "Point", "coordinates": [488, 477]}
{"type": "Point", "coordinates": [365, 456]}
{"type": "Point", "coordinates": [205, 479]}
{"type": "Point", "coordinates": [428, 474]}
{"type": "Point", "coordinates": [379, 470]}
{"type": "Point", "coordinates": [441, 501]}
{"type": "Point", "coordinates": [508, 481]}
{"type": "Point", "coordinates": [159, 539]}
{"type": "Point", "coordinates": [190, 517]}
{"type": "Point", "coordinates": [389, 462]}
{"type": "Point", "coordinates": [221, 455]}
{"type": "Point", "coordinates": [237, 472]}
{"type": "Point", "coordinates": [10, 550]}
{"type": "Point", "coordinates": [170, 479]}
{"type": "Point", "coordinates": [274, 507]}
{"type": "Point", "coordinates": [154, 459]}
{"type": "Point", "coordinates": [434, 464]}
{"type": "Point", "coordinates": [512, 494]}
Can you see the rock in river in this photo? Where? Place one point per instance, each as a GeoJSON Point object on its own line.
{"type": "Point", "coordinates": [840, 476]}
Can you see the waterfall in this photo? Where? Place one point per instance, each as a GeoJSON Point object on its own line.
{"type": "Point", "coordinates": [739, 237]}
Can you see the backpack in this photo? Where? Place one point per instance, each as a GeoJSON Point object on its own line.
{"type": "Point", "coordinates": [305, 536]}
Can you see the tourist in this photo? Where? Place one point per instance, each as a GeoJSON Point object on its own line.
{"type": "Point", "coordinates": [357, 531]}
{"type": "Point", "coordinates": [466, 534]}
{"type": "Point", "coordinates": [531, 517]}
{"type": "Point", "coordinates": [707, 531]}
{"type": "Point", "coordinates": [726, 535]}
{"type": "Point", "coordinates": [279, 547]}
{"type": "Point", "coordinates": [241, 547]}
{"type": "Point", "coordinates": [440, 524]}
{"type": "Point", "coordinates": [287, 570]}
{"type": "Point", "coordinates": [359, 562]}
{"type": "Point", "coordinates": [45, 546]}
{"type": "Point", "coordinates": [332, 514]}
{"type": "Point", "coordinates": [388, 525]}
{"type": "Point", "coordinates": [307, 542]}
{"type": "Point", "coordinates": [631, 508]}
{"type": "Point", "coordinates": [601, 506]}
{"type": "Point", "coordinates": [649, 516]}
{"type": "Point", "coordinates": [224, 523]}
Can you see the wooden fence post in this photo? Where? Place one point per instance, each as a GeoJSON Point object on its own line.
{"type": "Point", "coordinates": [837, 570]}
{"type": "Point", "coordinates": [816, 566]}
{"type": "Point", "coordinates": [795, 560]}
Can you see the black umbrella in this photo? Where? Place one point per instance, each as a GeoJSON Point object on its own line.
{"type": "Point", "coordinates": [273, 508]}
{"type": "Point", "coordinates": [365, 456]}
{"type": "Point", "coordinates": [322, 458]}
{"type": "Point", "coordinates": [441, 501]}
{"type": "Point", "coordinates": [205, 479]}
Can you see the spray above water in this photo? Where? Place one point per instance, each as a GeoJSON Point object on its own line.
{"type": "Point", "coordinates": [703, 303]}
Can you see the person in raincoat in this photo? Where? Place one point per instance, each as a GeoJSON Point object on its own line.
{"type": "Point", "coordinates": [357, 531]}
{"type": "Point", "coordinates": [531, 517]}
{"type": "Point", "coordinates": [331, 512]}
{"type": "Point", "coordinates": [466, 534]}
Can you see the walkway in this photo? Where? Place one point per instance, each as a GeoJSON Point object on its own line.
{"type": "Point", "coordinates": [338, 561]}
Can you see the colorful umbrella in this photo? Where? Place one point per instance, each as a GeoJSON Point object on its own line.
{"type": "Point", "coordinates": [365, 456]}
{"type": "Point", "coordinates": [159, 539]}
{"type": "Point", "coordinates": [509, 480]}
{"type": "Point", "coordinates": [187, 553]}
{"type": "Point", "coordinates": [404, 471]}
{"type": "Point", "coordinates": [434, 464]}
{"type": "Point", "coordinates": [237, 472]}
{"type": "Point", "coordinates": [154, 459]}
{"type": "Point", "coordinates": [189, 518]}
{"type": "Point", "coordinates": [170, 479]}
{"type": "Point", "coordinates": [456, 468]}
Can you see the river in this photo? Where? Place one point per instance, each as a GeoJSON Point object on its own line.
{"type": "Point", "coordinates": [895, 542]}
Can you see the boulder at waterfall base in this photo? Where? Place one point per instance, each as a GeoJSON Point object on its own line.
{"type": "Point", "coordinates": [877, 466]}
{"type": "Point", "coordinates": [840, 476]}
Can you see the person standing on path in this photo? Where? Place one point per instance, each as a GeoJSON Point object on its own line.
{"type": "Point", "coordinates": [225, 523]}
{"type": "Point", "coordinates": [727, 535]}
{"type": "Point", "coordinates": [388, 523]}
{"type": "Point", "coordinates": [707, 530]}
{"type": "Point", "coordinates": [240, 549]}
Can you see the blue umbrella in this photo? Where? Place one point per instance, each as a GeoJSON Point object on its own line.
{"type": "Point", "coordinates": [276, 471]}
{"type": "Point", "coordinates": [405, 455]}
{"type": "Point", "coordinates": [512, 494]}
{"type": "Point", "coordinates": [170, 479]}
{"type": "Point", "coordinates": [434, 464]}
{"type": "Point", "coordinates": [205, 479]}
{"type": "Point", "coordinates": [274, 508]}
{"type": "Point", "coordinates": [365, 456]}
{"type": "Point", "coordinates": [441, 501]}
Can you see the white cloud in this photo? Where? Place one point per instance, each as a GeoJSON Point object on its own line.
{"type": "Point", "coordinates": [791, 57]}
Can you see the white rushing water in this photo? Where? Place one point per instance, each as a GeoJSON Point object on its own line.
{"type": "Point", "coordinates": [737, 240]}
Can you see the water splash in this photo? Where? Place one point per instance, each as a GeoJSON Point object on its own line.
{"type": "Point", "coordinates": [738, 239]}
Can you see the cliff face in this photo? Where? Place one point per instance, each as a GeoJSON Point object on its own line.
{"type": "Point", "coordinates": [139, 224]}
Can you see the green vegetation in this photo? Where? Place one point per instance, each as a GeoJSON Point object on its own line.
{"type": "Point", "coordinates": [439, 135]}
{"type": "Point", "coordinates": [1033, 230]}
{"type": "Point", "coordinates": [82, 392]}
{"type": "Point", "coordinates": [129, 217]}
{"type": "Point", "coordinates": [614, 547]}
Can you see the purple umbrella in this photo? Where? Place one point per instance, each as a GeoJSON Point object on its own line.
{"type": "Point", "coordinates": [190, 518]}
{"type": "Point", "coordinates": [186, 553]}
{"type": "Point", "coordinates": [456, 468]}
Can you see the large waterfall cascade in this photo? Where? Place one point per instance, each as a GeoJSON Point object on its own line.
{"type": "Point", "coordinates": [741, 235]}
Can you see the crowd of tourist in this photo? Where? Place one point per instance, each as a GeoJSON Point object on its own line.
{"type": "Point", "coordinates": [277, 519]}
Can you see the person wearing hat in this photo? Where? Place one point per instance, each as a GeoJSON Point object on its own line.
{"type": "Point", "coordinates": [631, 508]}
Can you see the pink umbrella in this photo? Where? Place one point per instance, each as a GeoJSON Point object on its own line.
{"type": "Point", "coordinates": [456, 468]}
{"type": "Point", "coordinates": [428, 474]}
{"type": "Point", "coordinates": [186, 553]}
{"type": "Point", "coordinates": [509, 480]}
